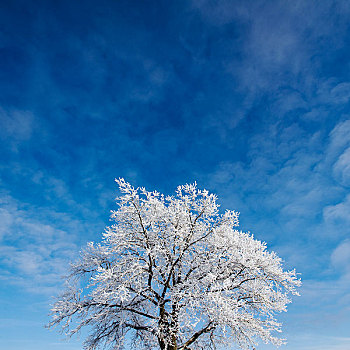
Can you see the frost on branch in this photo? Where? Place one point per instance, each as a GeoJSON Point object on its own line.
{"type": "Point", "coordinates": [173, 273]}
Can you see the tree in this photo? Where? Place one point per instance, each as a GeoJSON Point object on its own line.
{"type": "Point", "coordinates": [175, 274]}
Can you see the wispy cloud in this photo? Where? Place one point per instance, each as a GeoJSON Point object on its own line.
{"type": "Point", "coordinates": [16, 126]}
{"type": "Point", "coordinates": [341, 257]}
{"type": "Point", "coordinates": [34, 252]}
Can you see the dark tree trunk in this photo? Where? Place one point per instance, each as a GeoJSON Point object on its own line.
{"type": "Point", "coordinates": [164, 346]}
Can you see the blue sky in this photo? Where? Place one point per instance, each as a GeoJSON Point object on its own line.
{"type": "Point", "coordinates": [248, 98]}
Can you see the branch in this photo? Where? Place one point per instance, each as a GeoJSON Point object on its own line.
{"type": "Point", "coordinates": [140, 313]}
{"type": "Point", "coordinates": [166, 285]}
{"type": "Point", "coordinates": [210, 326]}
{"type": "Point", "coordinates": [150, 259]}
{"type": "Point", "coordinates": [120, 306]}
{"type": "Point", "coordinates": [139, 328]}
{"type": "Point", "coordinates": [140, 293]}
{"type": "Point", "coordinates": [231, 288]}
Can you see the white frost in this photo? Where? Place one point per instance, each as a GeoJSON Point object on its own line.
{"type": "Point", "coordinates": [176, 274]}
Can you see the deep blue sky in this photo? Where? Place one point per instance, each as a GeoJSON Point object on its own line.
{"type": "Point", "coordinates": [248, 98]}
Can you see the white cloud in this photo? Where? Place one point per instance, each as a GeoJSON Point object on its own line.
{"type": "Point", "coordinates": [341, 168]}
{"type": "Point", "coordinates": [16, 126]}
{"type": "Point", "coordinates": [339, 137]}
{"type": "Point", "coordinates": [338, 213]}
{"type": "Point", "coordinates": [341, 256]}
{"type": "Point", "coordinates": [323, 343]}
{"type": "Point", "coordinates": [35, 252]}
{"type": "Point", "coordinates": [341, 93]}
{"type": "Point", "coordinates": [6, 221]}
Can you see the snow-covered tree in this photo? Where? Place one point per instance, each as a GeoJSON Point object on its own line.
{"type": "Point", "coordinates": [174, 274]}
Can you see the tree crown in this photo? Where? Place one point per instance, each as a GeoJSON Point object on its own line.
{"type": "Point", "coordinates": [175, 274]}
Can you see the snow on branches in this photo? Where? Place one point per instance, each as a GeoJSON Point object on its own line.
{"type": "Point", "coordinates": [175, 274]}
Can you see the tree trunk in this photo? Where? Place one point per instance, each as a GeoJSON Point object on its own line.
{"type": "Point", "coordinates": [164, 346]}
